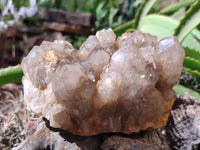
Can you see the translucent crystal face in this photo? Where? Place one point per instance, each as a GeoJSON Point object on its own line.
{"type": "Point", "coordinates": [109, 85]}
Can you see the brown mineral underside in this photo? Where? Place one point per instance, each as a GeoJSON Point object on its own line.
{"type": "Point", "coordinates": [109, 85]}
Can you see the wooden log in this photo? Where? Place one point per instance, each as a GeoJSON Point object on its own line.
{"type": "Point", "coordinates": [77, 19]}
{"type": "Point", "coordinates": [123, 143]}
{"type": "Point", "coordinates": [39, 135]}
{"type": "Point", "coordinates": [183, 126]}
{"type": "Point", "coordinates": [72, 29]}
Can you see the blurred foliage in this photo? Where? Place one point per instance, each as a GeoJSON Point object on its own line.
{"type": "Point", "coordinates": [11, 74]}
{"type": "Point", "coordinates": [77, 41]}
{"type": "Point", "coordinates": [113, 13]}
{"type": "Point", "coordinates": [108, 13]}
{"type": "Point", "coordinates": [12, 11]}
{"type": "Point", "coordinates": [19, 3]}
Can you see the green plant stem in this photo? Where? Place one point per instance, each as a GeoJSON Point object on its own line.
{"type": "Point", "coordinates": [174, 7]}
{"type": "Point", "coordinates": [142, 11]}
{"type": "Point", "coordinates": [188, 22]}
{"type": "Point", "coordinates": [122, 28]}
{"type": "Point", "coordinates": [111, 3]}
{"type": "Point", "coordinates": [11, 74]}
{"type": "Point", "coordinates": [191, 63]}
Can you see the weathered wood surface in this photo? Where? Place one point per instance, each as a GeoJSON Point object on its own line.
{"type": "Point", "coordinates": [183, 127]}
{"type": "Point", "coordinates": [72, 29]}
{"type": "Point", "coordinates": [39, 135]}
{"type": "Point", "coordinates": [146, 140]}
{"type": "Point", "coordinates": [78, 19]}
{"type": "Point", "coordinates": [182, 132]}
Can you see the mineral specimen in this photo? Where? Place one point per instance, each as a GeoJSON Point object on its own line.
{"type": "Point", "coordinates": [109, 85]}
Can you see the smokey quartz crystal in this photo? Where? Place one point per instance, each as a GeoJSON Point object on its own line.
{"type": "Point", "coordinates": [109, 85]}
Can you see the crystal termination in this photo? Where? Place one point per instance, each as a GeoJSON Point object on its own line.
{"type": "Point", "coordinates": [109, 85]}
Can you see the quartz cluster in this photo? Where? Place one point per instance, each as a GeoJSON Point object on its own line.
{"type": "Point", "coordinates": [109, 85]}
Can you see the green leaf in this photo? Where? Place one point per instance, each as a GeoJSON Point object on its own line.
{"type": "Point", "coordinates": [158, 25]}
{"type": "Point", "coordinates": [176, 6]}
{"type": "Point", "coordinates": [196, 33]}
{"type": "Point", "coordinates": [190, 20]}
{"type": "Point", "coordinates": [191, 63]}
{"type": "Point", "coordinates": [143, 10]}
{"type": "Point", "coordinates": [163, 26]}
{"type": "Point", "coordinates": [191, 41]}
{"type": "Point", "coordinates": [178, 14]}
{"type": "Point", "coordinates": [155, 8]}
{"type": "Point", "coordinates": [68, 5]}
{"type": "Point", "coordinates": [192, 53]}
{"type": "Point", "coordinates": [101, 11]}
{"type": "Point", "coordinates": [81, 5]}
{"type": "Point", "coordinates": [122, 28]}
{"type": "Point", "coordinates": [180, 90]}
{"type": "Point", "coordinates": [11, 74]}
{"type": "Point", "coordinates": [113, 12]}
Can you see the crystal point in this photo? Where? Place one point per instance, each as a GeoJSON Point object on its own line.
{"type": "Point", "coordinates": [110, 85]}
